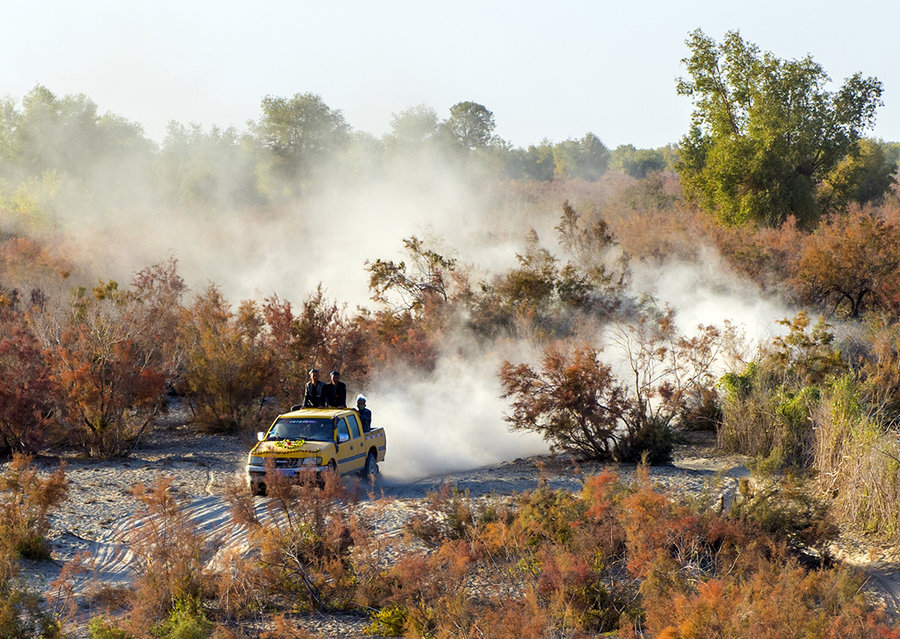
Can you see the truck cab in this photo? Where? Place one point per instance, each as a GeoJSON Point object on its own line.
{"type": "Point", "coordinates": [316, 439]}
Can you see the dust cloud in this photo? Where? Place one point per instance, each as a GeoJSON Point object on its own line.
{"type": "Point", "coordinates": [451, 419]}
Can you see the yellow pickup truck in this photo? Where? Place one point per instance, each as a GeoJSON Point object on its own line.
{"type": "Point", "coordinates": [318, 439]}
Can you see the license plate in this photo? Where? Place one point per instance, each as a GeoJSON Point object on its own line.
{"type": "Point", "coordinates": [289, 472]}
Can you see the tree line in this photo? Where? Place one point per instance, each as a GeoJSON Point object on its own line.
{"type": "Point", "coordinates": [52, 144]}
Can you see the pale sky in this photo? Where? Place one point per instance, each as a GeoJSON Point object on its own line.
{"type": "Point", "coordinates": [554, 69]}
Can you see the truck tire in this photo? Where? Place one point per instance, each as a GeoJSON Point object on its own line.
{"type": "Point", "coordinates": [370, 470]}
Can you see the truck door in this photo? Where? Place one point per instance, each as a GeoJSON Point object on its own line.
{"type": "Point", "coordinates": [351, 453]}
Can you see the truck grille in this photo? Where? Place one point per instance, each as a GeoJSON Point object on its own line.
{"type": "Point", "coordinates": [296, 462]}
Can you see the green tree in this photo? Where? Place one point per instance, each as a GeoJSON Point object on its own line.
{"type": "Point", "coordinates": [638, 163]}
{"type": "Point", "coordinates": [765, 131]}
{"type": "Point", "coordinates": [299, 131]}
{"type": "Point", "coordinates": [199, 168]}
{"type": "Point", "coordinates": [533, 163]}
{"type": "Point", "coordinates": [413, 126]}
{"type": "Point", "coordinates": [864, 176]}
{"type": "Point", "coordinates": [68, 135]}
{"type": "Point", "coordinates": [470, 126]}
{"type": "Point", "coordinates": [9, 121]}
{"type": "Point", "coordinates": [587, 158]}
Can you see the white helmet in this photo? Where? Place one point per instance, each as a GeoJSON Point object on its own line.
{"type": "Point", "coordinates": [360, 398]}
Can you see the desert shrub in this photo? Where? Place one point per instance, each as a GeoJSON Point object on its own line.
{"type": "Point", "coordinates": [26, 503]}
{"type": "Point", "coordinates": [849, 264]}
{"type": "Point", "coordinates": [403, 338]}
{"type": "Point", "coordinates": [747, 416]}
{"type": "Point", "coordinates": [30, 264]}
{"type": "Point", "coordinates": [546, 516]}
{"type": "Point", "coordinates": [789, 510]}
{"type": "Point", "coordinates": [597, 274]}
{"type": "Point", "coordinates": [450, 514]}
{"type": "Point", "coordinates": [417, 296]}
{"type": "Point", "coordinates": [778, 599]}
{"type": "Point", "coordinates": [766, 410]}
{"type": "Point", "coordinates": [186, 621]}
{"type": "Point", "coordinates": [574, 401]}
{"type": "Point", "coordinates": [23, 617]}
{"type": "Point", "coordinates": [652, 440]}
{"type": "Point", "coordinates": [879, 367]}
{"type": "Point", "coordinates": [228, 367]}
{"type": "Point", "coordinates": [388, 622]}
{"type": "Point", "coordinates": [623, 558]}
{"type": "Point", "coordinates": [432, 590]}
{"type": "Point", "coordinates": [762, 254]}
{"type": "Point", "coordinates": [26, 500]}
{"type": "Point", "coordinates": [102, 628]}
{"type": "Point", "coordinates": [111, 352]}
{"type": "Point", "coordinates": [304, 547]}
{"type": "Point", "coordinates": [577, 404]}
{"type": "Point", "coordinates": [27, 388]}
{"type": "Point", "coordinates": [170, 558]}
{"type": "Point", "coordinates": [319, 336]}
{"type": "Point", "coordinates": [857, 456]}
{"type": "Point", "coordinates": [428, 279]}
{"type": "Point", "coordinates": [708, 575]}
{"type": "Point", "coordinates": [544, 297]}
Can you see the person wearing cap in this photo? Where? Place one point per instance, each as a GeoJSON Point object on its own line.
{"type": "Point", "coordinates": [365, 415]}
{"type": "Point", "coordinates": [315, 391]}
{"type": "Point", "coordinates": [336, 392]}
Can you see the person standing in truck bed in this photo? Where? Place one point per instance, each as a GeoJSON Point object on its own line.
{"type": "Point", "coordinates": [336, 392]}
{"type": "Point", "coordinates": [365, 415]}
{"type": "Point", "coordinates": [315, 391]}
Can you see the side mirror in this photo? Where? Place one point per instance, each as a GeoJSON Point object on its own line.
{"type": "Point", "coordinates": [260, 436]}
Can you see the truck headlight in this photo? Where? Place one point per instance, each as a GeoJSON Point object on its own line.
{"type": "Point", "coordinates": [312, 461]}
{"type": "Point", "coordinates": [255, 461]}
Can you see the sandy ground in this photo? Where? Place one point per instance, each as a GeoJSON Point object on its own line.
{"type": "Point", "coordinates": [100, 510]}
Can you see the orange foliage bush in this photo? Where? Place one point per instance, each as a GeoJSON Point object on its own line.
{"type": "Point", "coordinates": [320, 336]}
{"type": "Point", "coordinates": [32, 264]}
{"type": "Point", "coordinates": [27, 388]}
{"type": "Point", "coordinates": [850, 263]}
{"type": "Point", "coordinates": [227, 364]}
{"type": "Point", "coordinates": [305, 542]}
{"type": "Point", "coordinates": [26, 500]}
{"type": "Point", "coordinates": [170, 554]}
{"type": "Point", "coordinates": [107, 365]}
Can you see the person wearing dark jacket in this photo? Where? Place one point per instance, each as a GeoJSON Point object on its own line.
{"type": "Point", "coordinates": [336, 392]}
{"type": "Point", "coordinates": [315, 391]}
{"type": "Point", "coordinates": [365, 415]}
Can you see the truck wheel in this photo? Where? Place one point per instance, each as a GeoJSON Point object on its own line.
{"type": "Point", "coordinates": [258, 489]}
{"type": "Point", "coordinates": [329, 469]}
{"type": "Point", "coordinates": [370, 470]}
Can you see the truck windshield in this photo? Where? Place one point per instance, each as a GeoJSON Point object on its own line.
{"type": "Point", "coordinates": [321, 430]}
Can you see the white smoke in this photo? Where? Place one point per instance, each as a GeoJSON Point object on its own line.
{"type": "Point", "coordinates": [449, 420]}
{"type": "Point", "coordinates": [706, 291]}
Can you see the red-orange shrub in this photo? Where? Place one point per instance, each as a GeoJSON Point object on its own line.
{"type": "Point", "coordinates": [227, 367]}
{"type": "Point", "coordinates": [27, 388]}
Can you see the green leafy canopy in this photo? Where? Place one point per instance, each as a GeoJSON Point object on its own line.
{"type": "Point", "coordinates": [766, 132]}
